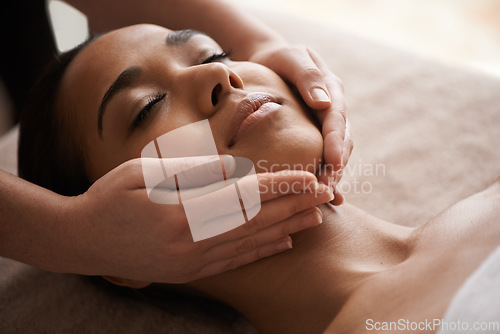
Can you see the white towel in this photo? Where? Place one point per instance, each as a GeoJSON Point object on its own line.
{"type": "Point", "coordinates": [476, 306]}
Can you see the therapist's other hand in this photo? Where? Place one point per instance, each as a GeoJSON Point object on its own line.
{"type": "Point", "coordinates": [323, 92]}
{"type": "Point", "coordinates": [121, 233]}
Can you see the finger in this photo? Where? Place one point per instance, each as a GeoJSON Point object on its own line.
{"type": "Point", "coordinates": [311, 85]}
{"type": "Point", "coordinates": [284, 207]}
{"type": "Point", "coordinates": [276, 210]}
{"type": "Point", "coordinates": [308, 78]}
{"type": "Point", "coordinates": [305, 219]}
{"type": "Point", "coordinates": [339, 198]}
{"type": "Point", "coordinates": [270, 185]}
{"type": "Point", "coordinates": [252, 189]}
{"type": "Point", "coordinates": [212, 214]}
{"type": "Point", "coordinates": [271, 241]}
{"type": "Point", "coordinates": [202, 170]}
{"type": "Point", "coordinates": [240, 260]}
{"type": "Point", "coordinates": [295, 65]}
{"type": "Point", "coordinates": [326, 175]}
{"type": "Point", "coordinates": [189, 171]}
{"type": "Point", "coordinates": [272, 235]}
{"type": "Point", "coordinates": [333, 119]}
{"type": "Point", "coordinates": [333, 129]}
{"type": "Point", "coordinates": [348, 144]}
{"type": "Point", "coordinates": [274, 185]}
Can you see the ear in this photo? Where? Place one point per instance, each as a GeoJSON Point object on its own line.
{"type": "Point", "coordinates": [127, 282]}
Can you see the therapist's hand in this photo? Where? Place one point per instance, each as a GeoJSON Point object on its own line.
{"type": "Point", "coordinates": [121, 233]}
{"type": "Point", "coordinates": [323, 92]}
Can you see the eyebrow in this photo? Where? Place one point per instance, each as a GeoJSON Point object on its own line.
{"type": "Point", "coordinates": [179, 37]}
{"type": "Point", "coordinates": [125, 80]}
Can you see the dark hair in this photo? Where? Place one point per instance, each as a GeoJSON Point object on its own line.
{"type": "Point", "coordinates": [49, 152]}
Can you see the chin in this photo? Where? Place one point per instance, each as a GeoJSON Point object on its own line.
{"type": "Point", "coordinates": [286, 150]}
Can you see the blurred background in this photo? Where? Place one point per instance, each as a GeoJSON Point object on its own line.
{"type": "Point", "coordinates": [460, 32]}
{"type": "Point", "coordinates": [464, 33]}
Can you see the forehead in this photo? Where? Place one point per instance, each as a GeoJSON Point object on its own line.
{"type": "Point", "coordinates": [102, 61]}
{"type": "Point", "coordinates": [119, 44]}
{"type": "Point", "coordinates": [95, 68]}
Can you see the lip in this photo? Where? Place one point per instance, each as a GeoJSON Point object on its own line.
{"type": "Point", "coordinates": [251, 111]}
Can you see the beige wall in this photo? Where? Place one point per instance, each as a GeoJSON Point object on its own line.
{"type": "Point", "coordinates": [461, 32]}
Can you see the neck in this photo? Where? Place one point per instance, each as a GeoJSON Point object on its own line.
{"type": "Point", "coordinates": [303, 289]}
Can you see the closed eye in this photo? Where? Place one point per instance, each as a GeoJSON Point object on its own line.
{"type": "Point", "coordinates": [217, 57]}
{"type": "Point", "coordinates": [144, 112]}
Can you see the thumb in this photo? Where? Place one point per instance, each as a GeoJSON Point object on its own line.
{"type": "Point", "coordinates": [186, 172]}
{"type": "Point", "coordinates": [312, 88]}
{"type": "Point", "coordinates": [310, 79]}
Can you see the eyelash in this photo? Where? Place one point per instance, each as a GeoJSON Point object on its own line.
{"type": "Point", "coordinates": [152, 102]}
{"type": "Point", "coordinates": [217, 57]}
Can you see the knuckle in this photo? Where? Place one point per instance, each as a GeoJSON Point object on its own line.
{"type": "Point", "coordinates": [311, 72]}
{"type": "Point", "coordinates": [246, 245]}
{"type": "Point", "coordinates": [132, 166]}
{"type": "Point", "coordinates": [341, 108]}
{"type": "Point", "coordinates": [296, 49]}
{"type": "Point", "coordinates": [283, 230]}
{"type": "Point", "coordinates": [257, 255]}
{"type": "Point", "coordinates": [255, 224]}
{"type": "Point", "coordinates": [232, 264]}
{"type": "Point", "coordinates": [263, 179]}
{"type": "Point", "coordinates": [294, 208]}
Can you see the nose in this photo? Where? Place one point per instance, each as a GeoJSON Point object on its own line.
{"type": "Point", "coordinates": [211, 83]}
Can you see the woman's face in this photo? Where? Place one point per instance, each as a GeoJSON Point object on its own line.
{"type": "Point", "coordinates": [132, 85]}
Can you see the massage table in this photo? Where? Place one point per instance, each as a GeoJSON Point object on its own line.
{"type": "Point", "coordinates": [426, 136]}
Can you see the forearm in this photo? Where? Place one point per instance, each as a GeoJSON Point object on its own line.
{"type": "Point", "coordinates": [227, 24]}
{"type": "Point", "coordinates": [31, 225]}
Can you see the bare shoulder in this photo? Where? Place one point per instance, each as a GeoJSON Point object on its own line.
{"type": "Point", "coordinates": [472, 222]}
{"type": "Point", "coordinates": [419, 290]}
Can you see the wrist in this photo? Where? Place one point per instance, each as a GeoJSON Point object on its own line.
{"type": "Point", "coordinates": [33, 224]}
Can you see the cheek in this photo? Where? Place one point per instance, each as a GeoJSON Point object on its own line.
{"type": "Point", "coordinates": [294, 148]}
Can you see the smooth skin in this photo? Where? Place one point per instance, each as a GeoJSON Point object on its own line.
{"type": "Point", "coordinates": [37, 225]}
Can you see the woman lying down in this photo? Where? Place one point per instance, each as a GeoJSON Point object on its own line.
{"type": "Point", "coordinates": [351, 268]}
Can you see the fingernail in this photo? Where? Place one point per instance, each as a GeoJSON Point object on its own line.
{"type": "Point", "coordinates": [312, 219]}
{"type": "Point", "coordinates": [325, 188]}
{"type": "Point", "coordinates": [331, 193]}
{"type": "Point", "coordinates": [319, 95]}
{"type": "Point", "coordinates": [282, 246]}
